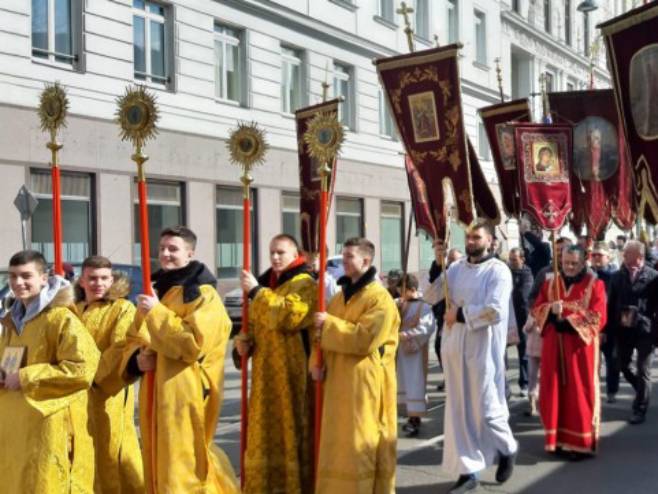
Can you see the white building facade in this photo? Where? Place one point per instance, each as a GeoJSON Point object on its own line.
{"type": "Point", "coordinates": [212, 63]}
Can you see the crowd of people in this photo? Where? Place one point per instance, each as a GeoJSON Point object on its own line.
{"type": "Point", "coordinates": [67, 400]}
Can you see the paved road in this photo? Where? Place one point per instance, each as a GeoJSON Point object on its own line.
{"type": "Point", "coordinates": [627, 461]}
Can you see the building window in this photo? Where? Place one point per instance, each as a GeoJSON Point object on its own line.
{"type": "Point", "coordinates": [150, 42]}
{"type": "Point", "coordinates": [516, 6]}
{"type": "Point", "coordinates": [343, 88]}
{"type": "Point", "coordinates": [567, 22]}
{"type": "Point", "coordinates": [228, 63]}
{"type": "Point", "coordinates": [422, 18]}
{"type": "Point", "coordinates": [349, 220]}
{"type": "Point", "coordinates": [165, 208]}
{"type": "Point", "coordinates": [480, 38]}
{"type": "Point", "coordinates": [291, 79]}
{"type": "Point", "coordinates": [392, 233]}
{"type": "Point", "coordinates": [229, 232]}
{"type": "Point", "coordinates": [290, 214]}
{"type": "Point", "coordinates": [483, 143]}
{"type": "Point", "coordinates": [54, 26]}
{"type": "Point", "coordinates": [549, 80]}
{"type": "Point", "coordinates": [571, 86]}
{"type": "Point", "coordinates": [547, 16]}
{"type": "Point", "coordinates": [386, 124]}
{"type": "Point", "coordinates": [586, 34]}
{"type": "Point", "coordinates": [386, 10]}
{"type": "Point", "coordinates": [78, 225]}
{"type": "Point", "coordinates": [453, 21]}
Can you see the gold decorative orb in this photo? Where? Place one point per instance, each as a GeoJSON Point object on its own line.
{"type": "Point", "coordinates": [53, 107]}
{"type": "Point", "coordinates": [324, 136]}
{"type": "Point", "coordinates": [137, 114]}
{"type": "Point", "coordinates": [247, 145]}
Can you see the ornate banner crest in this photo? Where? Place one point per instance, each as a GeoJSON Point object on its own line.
{"type": "Point", "coordinates": [423, 92]}
{"type": "Point", "coordinates": [543, 155]}
{"type": "Point", "coordinates": [309, 176]}
{"type": "Point", "coordinates": [600, 177]}
{"type": "Point", "coordinates": [496, 119]}
{"type": "Point", "coordinates": [632, 46]}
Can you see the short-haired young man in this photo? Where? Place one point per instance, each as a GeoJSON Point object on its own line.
{"type": "Point", "coordinates": [359, 337]}
{"type": "Point", "coordinates": [45, 445]}
{"type": "Point", "coordinates": [180, 334]}
{"type": "Point", "coordinates": [107, 314]}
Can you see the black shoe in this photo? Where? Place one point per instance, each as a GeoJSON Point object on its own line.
{"type": "Point", "coordinates": [612, 398]}
{"type": "Point", "coordinates": [412, 427]}
{"type": "Point", "coordinates": [636, 419]}
{"type": "Point", "coordinates": [441, 386]}
{"type": "Point", "coordinates": [465, 483]}
{"type": "Point", "coordinates": [505, 467]}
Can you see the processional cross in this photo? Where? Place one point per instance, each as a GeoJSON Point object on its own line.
{"type": "Point", "coordinates": [404, 11]}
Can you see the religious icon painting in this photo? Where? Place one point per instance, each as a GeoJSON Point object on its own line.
{"type": "Point", "coordinates": [505, 134]}
{"type": "Point", "coordinates": [595, 149]}
{"type": "Point", "coordinates": [422, 107]}
{"type": "Point", "coordinates": [644, 92]}
{"type": "Point", "coordinates": [12, 359]}
{"type": "Point", "coordinates": [543, 156]}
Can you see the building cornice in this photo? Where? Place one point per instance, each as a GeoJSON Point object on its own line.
{"type": "Point", "coordinates": [515, 21]}
{"type": "Point", "coordinates": [329, 33]}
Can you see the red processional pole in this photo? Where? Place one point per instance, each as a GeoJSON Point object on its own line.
{"type": "Point", "coordinates": [247, 148]}
{"type": "Point", "coordinates": [324, 136]}
{"type": "Point", "coordinates": [53, 107]}
{"type": "Point", "coordinates": [137, 115]}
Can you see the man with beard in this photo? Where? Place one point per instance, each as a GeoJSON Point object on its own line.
{"type": "Point", "coordinates": [477, 431]}
{"type": "Point", "coordinates": [570, 312]}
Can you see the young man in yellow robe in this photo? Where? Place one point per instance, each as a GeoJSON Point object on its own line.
{"type": "Point", "coordinates": [180, 334]}
{"type": "Point", "coordinates": [45, 446]}
{"type": "Point", "coordinates": [102, 307]}
{"type": "Point", "coordinates": [359, 337]}
{"type": "Point", "coordinates": [278, 455]}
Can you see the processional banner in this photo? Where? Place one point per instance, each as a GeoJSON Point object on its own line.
{"type": "Point", "coordinates": [543, 155]}
{"type": "Point", "coordinates": [310, 182]}
{"type": "Point", "coordinates": [496, 120]}
{"type": "Point", "coordinates": [601, 179]}
{"type": "Point", "coordinates": [632, 46]}
{"type": "Point", "coordinates": [423, 93]}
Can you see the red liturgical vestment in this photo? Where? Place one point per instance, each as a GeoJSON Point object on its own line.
{"type": "Point", "coordinates": [569, 402]}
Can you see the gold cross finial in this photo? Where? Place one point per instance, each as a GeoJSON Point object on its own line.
{"type": "Point", "coordinates": [325, 84]}
{"type": "Point", "coordinates": [404, 11]}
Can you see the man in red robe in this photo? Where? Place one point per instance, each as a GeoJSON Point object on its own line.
{"type": "Point", "coordinates": [571, 311]}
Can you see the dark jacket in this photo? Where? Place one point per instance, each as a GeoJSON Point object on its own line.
{"type": "Point", "coordinates": [537, 252]}
{"type": "Point", "coordinates": [521, 286]}
{"type": "Point", "coordinates": [439, 308]}
{"type": "Point", "coordinates": [639, 295]}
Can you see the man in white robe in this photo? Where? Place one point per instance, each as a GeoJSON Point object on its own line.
{"type": "Point", "coordinates": [477, 432]}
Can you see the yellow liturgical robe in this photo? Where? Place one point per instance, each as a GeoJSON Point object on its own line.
{"type": "Point", "coordinates": [119, 467]}
{"type": "Point", "coordinates": [190, 341]}
{"type": "Point", "coordinates": [359, 415]}
{"type": "Point", "coordinates": [278, 456]}
{"type": "Point", "coordinates": [45, 446]}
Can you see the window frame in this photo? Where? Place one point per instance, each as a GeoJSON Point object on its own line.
{"type": "Point", "coordinates": [360, 215]}
{"type": "Point", "coordinates": [452, 19]}
{"type": "Point", "coordinates": [348, 106]}
{"type": "Point", "coordinates": [480, 24]}
{"type": "Point", "coordinates": [239, 41]}
{"type": "Point", "coordinates": [149, 77]}
{"type": "Point", "coordinates": [381, 10]}
{"type": "Point", "coordinates": [385, 118]}
{"type": "Point", "coordinates": [483, 143]}
{"type": "Point", "coordinates": [76, 8]}
{"type": "Point", "coordinates": [426, 31]}
{"type": "Point", "coordinates": [296, 60]}
{"type": "Point", "coordinates": [568, 31]}
{"type": "Point", "coordinates": [401, 217]}
{"type": "Point", "coordinates": [548, 20]}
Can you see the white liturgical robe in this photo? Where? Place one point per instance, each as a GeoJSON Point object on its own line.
{"type": "Point", "coordinates": [476, 414]}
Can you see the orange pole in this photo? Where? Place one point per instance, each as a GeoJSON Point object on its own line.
{"type": "Point", "coordinates": [148, 290]}
{"type": "Point", "coordinates": [246, 265]}
{"type": "Point", "coordinates": [57, 218]}
{"type": "Point", "coordinates": [322, 307]}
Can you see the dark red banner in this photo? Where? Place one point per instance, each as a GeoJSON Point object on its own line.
{"type": "Point", "coordinates": [485, 202]}
{"type": "Point", "coordinates": [601, 173]}
{"type": "Point", "coordinates": [496, 120]}
{"type": "Point", "coordinates": [424, 95]}
{"type": "Point", "coordinates": [420, 201]}
{"type": "Point", "coordinates": [632, 46]}
{"type": "Point", "coordinates": [310, 184]}
{"type": "Point", "coordinates": [543, 153]}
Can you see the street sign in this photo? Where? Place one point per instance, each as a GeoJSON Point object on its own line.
{"type": "Point", "coordinates": [25, 202]}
